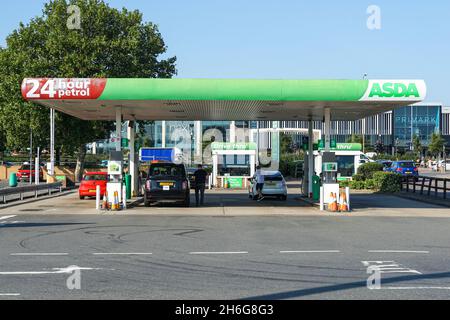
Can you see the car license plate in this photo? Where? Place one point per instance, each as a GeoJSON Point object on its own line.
{"type": "Point", "coordinates": [92, 191]}
{"type": "Point", "coordinates": [271, 184]}
{"type": "Point", "coordinates": [166, 188]}
{"type": "Point", "coordinates": [166, 184]}
{"type": "Point", "coordinates": [408, 172]}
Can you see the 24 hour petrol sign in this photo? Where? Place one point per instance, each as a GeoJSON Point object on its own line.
{"type": "Point", "coordinates": [62, 89]}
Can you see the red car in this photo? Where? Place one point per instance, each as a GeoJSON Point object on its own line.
{"type": "Point", "coordinates": [23, 174]}
{"type": "Point", "coordinates": [90, 182]}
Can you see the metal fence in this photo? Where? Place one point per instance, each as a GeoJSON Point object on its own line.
{"type": "Point", "coordinates": [430, 186]}
{"type": "Point", "coordinates": [57, 186]}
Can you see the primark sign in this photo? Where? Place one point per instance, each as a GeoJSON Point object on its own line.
{"type": "Point", "coordinates": [417, 120]}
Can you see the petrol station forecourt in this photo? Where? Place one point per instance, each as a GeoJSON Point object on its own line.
{"type": "Point", "coordinates": [120, 100]}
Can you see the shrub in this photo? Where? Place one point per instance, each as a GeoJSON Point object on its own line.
{"type": "Point", "coordinates": [357, 185]}
{"type": "Point", "coordinates": [368, 169]}
{"type": "Point", "coordinates": [369, 184]}
{"type": "Point", "coordinates": [387, 182]}
{"type": "Point", "coordinates": [358, 177]}
{"type": "Point", "coordinates": [344, 183]}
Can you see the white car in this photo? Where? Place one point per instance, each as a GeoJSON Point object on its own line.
{"type": "Point", "coordinates": [274, 186]}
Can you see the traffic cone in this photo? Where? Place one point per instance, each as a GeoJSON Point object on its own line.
{"type": "Point", "coordinates": [114, 203]}
{"type": "Point", "coordinates": [330, 204]}
{"type": "Point", "coordinates": [105, 201]}
{"type": "Point", "coordinates": [344, 205]}
{"type": "Point", "coordinates": [334, 204]}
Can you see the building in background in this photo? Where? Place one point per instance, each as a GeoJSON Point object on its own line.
{"type": "Point", "coordinates": [394, 129]}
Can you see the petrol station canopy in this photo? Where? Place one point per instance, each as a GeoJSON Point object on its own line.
{"type": "Point", "coordinates": [221, 99]}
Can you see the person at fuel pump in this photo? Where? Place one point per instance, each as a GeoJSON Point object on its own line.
{"type": "Point", "coordinates": [259, 183]}
{"type": "Point", "coordinates": [200, 176]}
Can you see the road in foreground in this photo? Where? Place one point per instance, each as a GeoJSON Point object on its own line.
{"type": "Point", "coordinates": [169, 256]}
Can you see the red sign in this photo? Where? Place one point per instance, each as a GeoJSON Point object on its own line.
{"type": "Point", "coordinates": [62, 89]}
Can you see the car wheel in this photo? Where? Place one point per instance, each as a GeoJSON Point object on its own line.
{"type": "Point", "coordinates": [283, 198]}
{"type": "Point", "coordinates": [146, 202]}
{"type": "Point", "coordinates": [81, 197]}
{"type": "Point", "coordinates": [187, 202]}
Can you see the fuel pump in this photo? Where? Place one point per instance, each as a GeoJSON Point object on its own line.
{"type": "Point", "coordinates": [329, 177]}
{"type": "Point", "coordinates": [115, 178]}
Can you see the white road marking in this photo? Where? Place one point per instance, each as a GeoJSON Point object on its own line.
{"type": "Point", "coordinates": [9, 294]}
{"type": "Point", "coordinates": [122, 254]}
{"type": "Point", "coordinates": [398, 251]}
{"type": "Point", "coordinates": [39, 254]}
{"type": "Point", "coordinates": [7, 217]}
{"type": "Point", "coordinates": [415, 288]}
{"type": "Point", "coordinates": [220, 252]}
{"type": "Point", "coordinates": [389, 267]}
{"type": "Point", "coordinates": [67, 270]}
{"type": "Point", "coordinates": [311, 251]}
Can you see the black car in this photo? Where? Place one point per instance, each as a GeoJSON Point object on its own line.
{"type": "Point", "coordinates": [167, 182]}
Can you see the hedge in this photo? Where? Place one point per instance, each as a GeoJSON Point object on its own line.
{"type": "Point", "coordinates": [387, 182]}
{"type": "Point", "coordinates": [368, 169]}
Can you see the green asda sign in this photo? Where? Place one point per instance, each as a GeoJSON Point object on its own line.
{"type": "Point", "coordinates": [345, 147]}
{"type": "Point", "coordinates": [396, 90]}
{"type": "Point", "coordinates": [233, 146]}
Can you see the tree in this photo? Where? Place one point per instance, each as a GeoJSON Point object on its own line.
{"type": "Point", "coordinates": [111, 43]}
{"type": "Point", "coordinates": [286, 143]}
{"type": "Point", "coordinates": [417, 145]}
{"type": "Point", "coordinates": [436, 144]}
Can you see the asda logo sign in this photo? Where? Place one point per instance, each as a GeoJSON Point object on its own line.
{"type": "Point", "coordinates": [402, 90]}
{"type": "Point", "coordinates": [397, 90]}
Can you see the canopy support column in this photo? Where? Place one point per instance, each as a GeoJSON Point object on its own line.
{"type": "Point", "coordinates": [133, 169]}
{"type": "Point", "coordinates": [51, 170]}
{"type": "Point", "coordinates": [327, 117]}
{"type": "Point", "coordinates": [310, 157]}
{"type": "Point", "coordinates": [119, 128]}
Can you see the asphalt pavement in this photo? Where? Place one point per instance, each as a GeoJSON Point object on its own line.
{"type": "Point", "coordinates": [214, 252]}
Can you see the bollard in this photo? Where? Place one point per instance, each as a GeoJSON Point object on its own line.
{"type": "Point", "coordinates": [321, 199]}
{"type": "Point", "coordinates": [124, 198]}
{"type": "Point", "coordinates": [97, 198]}
{"type": "Point", "coordinates": [347, 193]}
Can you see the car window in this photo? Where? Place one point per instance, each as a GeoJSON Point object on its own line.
{"type": "Point", "coordinates": [166, 170]}
{"type": "Point", "coordinates": [25, 167]}
{"type": "Point", "coordinates": [95, 177]}
{"type": "Point", "coordinates": [273, 178]}
{"type": "Point", "coordinates": [406, 164]}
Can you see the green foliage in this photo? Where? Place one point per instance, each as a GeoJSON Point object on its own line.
{"type": "Point", "coordinates": [344, 183]}
{"type": "Point", "coordinates": [387, 182]}
{"type": "Point", "coordinates": [357, 185]}
{"type": "Point", "coordinates": [436, 144]}
{"type": "Point", "coordinates": [369, 184]}
{"type": "Point", "coordinates": [111, 43]}
{"type": "Point", "coordinates": [289, 162]}
{"type": "Point", "coordinates": [368, 169]}
{"type": "Point", "coordinates": [358, 177]}
{"type": "Point", "coordinates": [286, 143]}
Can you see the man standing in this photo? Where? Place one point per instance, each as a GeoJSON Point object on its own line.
{"type": "Point", "coordinates": [259, 183]}
{"type": "Point", "coordinates": [200, 176]}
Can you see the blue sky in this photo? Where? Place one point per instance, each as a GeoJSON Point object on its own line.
{"type": "Point", "coordinates": [293, 39]}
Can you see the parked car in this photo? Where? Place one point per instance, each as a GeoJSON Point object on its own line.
{"type": "Point", "coordinates": [404, 168]}
{"type": "Point", "coordinates": [274, 186]}
{"type": "Point", "coordinates": [23, 174]}
{"type": "Point", "coordinates": [167, 182]}
{"type": "Point", "coordinates": [385, 163]}
{"type": "Point", "coordinates": [89, 183]}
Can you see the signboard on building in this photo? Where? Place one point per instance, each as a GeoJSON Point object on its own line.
{"type": "Point", "coordinates": [233, 146]}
